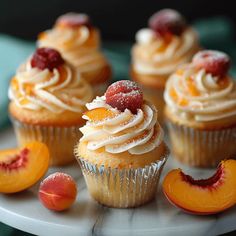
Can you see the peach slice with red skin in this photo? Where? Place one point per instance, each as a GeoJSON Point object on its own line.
{"type": "Point", "coordinates": [58, 191]}
{"type": "Point", "coordinates": [21, 168]}
{"type": "Point", "coordinates": [99, 114]}
{"type": "Point", "coordinates": [204, 196]}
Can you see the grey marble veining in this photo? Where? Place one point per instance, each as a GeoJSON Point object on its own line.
{"type": "Point", "coordinates": [86, 217]}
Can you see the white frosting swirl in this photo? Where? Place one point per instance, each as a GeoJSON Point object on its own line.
{"type": "Point", "coordinates": [136, 133]}
{"type": "Point", "coordinates": [198, 95]}
{"type": "Point", "coordinates": [57, 91]}
{"type": "Point", "coordinates": [152, 55]}
{"type": "Point", "coordinates": [79, 45]}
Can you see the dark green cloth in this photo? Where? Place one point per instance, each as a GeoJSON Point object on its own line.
{"type": "Point", "coordinates": [216, 33]}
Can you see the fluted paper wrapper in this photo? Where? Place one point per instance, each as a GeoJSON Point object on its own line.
{"type": "Point", "coordinates": [60, 140]}
{"type": "Point", "coordinates": [122, 188]}
{"type": "Point", "coordinates": [202, 148]}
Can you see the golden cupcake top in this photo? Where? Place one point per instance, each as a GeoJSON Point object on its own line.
{"type": "Point", "coordinates": [74, 36]}
{"type": "Point", "coordinates": [165, 44]}
{"type": "Point", "coordinates": [122, 121]}
{"type": "Point", "coordinates": [202, 90]}
{"type": "Point", "coordinates": [46, 81]}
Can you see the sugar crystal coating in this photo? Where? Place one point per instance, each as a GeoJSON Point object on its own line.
{"type": "Point", "coordinates": [123, 95]}
{"type": "Point", "coordinates": [58, 191]}
{"type": "Point", "coordinates": [213, 62]}
{"type": "Point", "coordinates": [167, 21]}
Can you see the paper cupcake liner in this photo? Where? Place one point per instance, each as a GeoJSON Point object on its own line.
{"type": "Point", "coordinates": [60, 140]}
{"type": "Point", "coordinates": [155, 96]}
{"type": "Point", "coordinates": [202, 148]}
{"type": "Point", "coordinates": [122, 188]}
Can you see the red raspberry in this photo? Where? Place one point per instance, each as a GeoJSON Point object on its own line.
{"type": "Point", "coordinates": [46, 58]}
{"type": "Point", "coordinates": [74, 19]}
{"type": "Point", "coordinates": [214, 62]}
{"type": "Point", "coordinates": [167, 21]}
{"type": "Point", "coordinates": [124, 94]}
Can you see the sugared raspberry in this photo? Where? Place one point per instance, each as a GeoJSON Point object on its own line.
{"type": "Point", "coordinates": [167, 21]}
{"type": "Point", "coordinates": [124, 94]}
{"type": "Point", "coordinates": [213, 62]}
{"type": "Point", "coordinates": [73, 19]}
{"type": "Point", "coordinates": [46, 58]}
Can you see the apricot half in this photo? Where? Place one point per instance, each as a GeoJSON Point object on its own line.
{"type": "Point", "coordinates": [203, 196]}
{"type": "Point", "coordinates": [21, 168]}
{"type": "Point", "coordinates": [99, 114]}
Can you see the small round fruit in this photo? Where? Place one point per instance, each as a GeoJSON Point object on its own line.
{"type": "Point", "coordinates": [58, 191]}
{"type": "Point", "coordinates": [124, 94]}
{"type": "Point", "coordinates": [46, 58]}
{"type": "Point", "coordinates": [204, 196]}
{"type": "Point", "coordinates": [73, 19]}
{"type": "Point", "coordinates": [167, 21]}
{"type": "Point", "coordinates": [22, 167]}
{"type": "Point", "coordinates": [213, 62]}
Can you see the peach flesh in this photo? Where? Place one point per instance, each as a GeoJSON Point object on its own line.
{"type": "Point", "coordinates": [20, 168]}
{"type": "Point", "coordinates": [16, 161]}
{"type": "Point", "coordinates": [58, 191]}
{"type": "Point", "coordinates": [99, 114]}
{"type": "Point", "coordinates": [203, 196]}
{"type": "Point", "coordinates": [210, 183]}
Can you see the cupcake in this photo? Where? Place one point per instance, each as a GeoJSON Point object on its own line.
{"type": "Point", "coordinates": [78, 41]}
{"type": "Point", "coordinates": [121, 152]}
{"type": "Point", "coordinates": [47, 99]}
{"type": "Point", "coordinates": [159, 50]}
{"type": "Point", "coordinates": [201, 110]}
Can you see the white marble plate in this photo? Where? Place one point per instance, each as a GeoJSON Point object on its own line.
{"type": "Point", "coordinates": [86, 217]}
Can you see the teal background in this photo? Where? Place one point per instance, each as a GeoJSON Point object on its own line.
{"type": "Point", "coordinates": [215, 33]}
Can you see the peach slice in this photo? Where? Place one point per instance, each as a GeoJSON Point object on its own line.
{"type": "Point", "coordinates": [58, 191]}
{"type": "Point", "coordinates": [22, 167]}
{"type": "Point", "coordinates": [192, 88]}
{"type": "Point", "coordinates": [99, 114]}
{"type": "Point", "coordinates": [203, 196]}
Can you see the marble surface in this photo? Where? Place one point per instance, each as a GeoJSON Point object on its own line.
{"type": "Point", "coordinates": [86, 217]}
